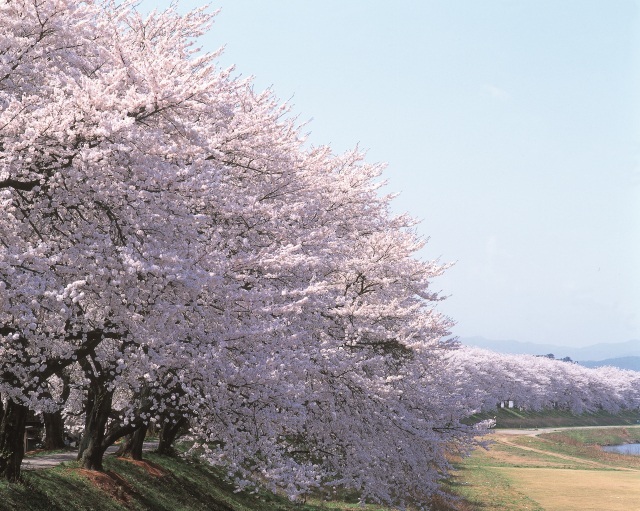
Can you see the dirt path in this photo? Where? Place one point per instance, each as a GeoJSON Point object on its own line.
{"type": "Point", "coordinates": [42, 460]}
{"type": "Point", "coordinates": [540, 431]}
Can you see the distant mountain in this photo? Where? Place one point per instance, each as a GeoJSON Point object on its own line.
{"type": "Point", "coordinates": [596, 352]}
{"type": "Point", "coordinates": [632, 363]}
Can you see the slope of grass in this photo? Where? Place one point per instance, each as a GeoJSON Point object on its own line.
{"type": "Point", "coordinates": [514, 418]}
{"type": "Point", "coordinates": [158, 483]}
{"type": "Point", "coordinates": [610, 436]}
{"type": "Point", "coordinates": [484, 487]}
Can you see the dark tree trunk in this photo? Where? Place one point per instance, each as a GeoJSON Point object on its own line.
{"type": "Point", "coordinates": [92, 445]}
{"type": "Point", "coordinates": [53, 431]}
{"type": "Point", "coordinates": [168, 434]}
{"type": "Point", "coordinates": [53, 422]}
{"type": "Point", "coordinates": [132, 447]}
{"type": "Point", "coordinates": [12, 429]}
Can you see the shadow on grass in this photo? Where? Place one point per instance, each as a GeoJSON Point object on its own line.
{"type": "Point", "coordinates": [159, 483]}
{"type": "Point", "coordinates": [57, 489]}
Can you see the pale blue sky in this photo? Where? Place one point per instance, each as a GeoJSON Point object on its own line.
{"type": "Point", "coordinates": [510, 128]}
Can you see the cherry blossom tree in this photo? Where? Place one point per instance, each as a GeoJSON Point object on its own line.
{"type": "Point", "coordinates": [170, 243]}
{"type": "Point", "coordinates": [97, 237]}
{"type": "Point", "coordinates": [538, 383]}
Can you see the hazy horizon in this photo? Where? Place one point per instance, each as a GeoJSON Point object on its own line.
{"type": "Point", "coordinates": [510, 129]}
{"type": "Point", "coordinates": [471, 337]}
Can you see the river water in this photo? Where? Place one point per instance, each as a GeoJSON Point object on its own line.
{"type": "Point", "coordinates": [633, 449]}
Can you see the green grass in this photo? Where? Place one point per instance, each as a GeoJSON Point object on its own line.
{"type": "Point", "coordinates": [182, 486]}
{"type": "Point", "coordinates": [609, 436]}
{"type": "Point", "coordinates": [52, 490]}
{"type": "Point", "coordinates": [42, 452]}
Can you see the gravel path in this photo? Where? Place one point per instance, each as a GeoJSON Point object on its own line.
{"type": "Point", "coordinates": [41, 461]}
{"type": "Point", "coordinates": [539, 431]}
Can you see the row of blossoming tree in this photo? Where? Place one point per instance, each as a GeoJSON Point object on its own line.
{"type": "Point", "coordinates": [172, 253]}
{"type": "Point", "coordinates": [539, 383]}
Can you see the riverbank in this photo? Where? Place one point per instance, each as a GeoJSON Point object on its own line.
{"type": "Point", "coordinates": [513, 418]}
{"type": "Point", "coordinates": [563, 470]}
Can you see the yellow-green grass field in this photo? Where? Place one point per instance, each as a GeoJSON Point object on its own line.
{"type": "Point", "coordinates": [562, 471]}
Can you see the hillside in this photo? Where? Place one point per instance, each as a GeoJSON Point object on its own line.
{"type": "Point", "coordinates": [513, 418]}
{"type": "Point", "coordinates": [159, 483]}
{"type": "Point", "coordinates": [632, 363]}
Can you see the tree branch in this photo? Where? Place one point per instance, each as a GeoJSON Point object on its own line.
{"type": "Point", "coordinates": [25, 186]}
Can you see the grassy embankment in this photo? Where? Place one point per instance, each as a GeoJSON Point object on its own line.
{"type": "Point", "coordinates": [565, 471]}
{"type": "Point", "coordinates": [514, 418]}
{"type": "Point", "coordinates": [159, 483]}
